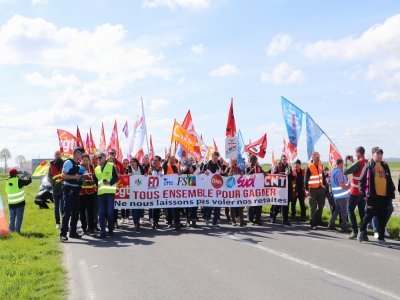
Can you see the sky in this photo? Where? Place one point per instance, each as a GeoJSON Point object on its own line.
{"type": "Point", "coordinates": [68, 63]}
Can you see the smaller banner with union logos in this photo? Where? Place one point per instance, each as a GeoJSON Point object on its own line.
{"type": "Point", "coordinates": [138, 192]}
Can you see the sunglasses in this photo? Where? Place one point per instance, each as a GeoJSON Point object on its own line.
{"type": "Point", "coordinates": [100, 157]}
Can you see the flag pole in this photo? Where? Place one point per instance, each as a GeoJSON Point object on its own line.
{"type": "Point", "coordinates": [144, 122]}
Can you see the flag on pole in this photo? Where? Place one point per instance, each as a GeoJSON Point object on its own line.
{"type": "Point", "coordinates": [215, 146]}
{"type": "Point", "coordinates": [41, 169]}
{"type": "Point", "coordinates": [79, 141]}
{"type": "Point", "coordinates": [189, 126]}
{"type": "Point", "coordinates": [91, 142]}
{"type": "Point", "coordinates": [125, 130]}
{"type": "Point", "coordinates": [88, 148]}
{"type": "Point", "coordinates": [151, 152]}
{"type": "Point", "coordinates": [333, 156]}
{"type": "Point", "coordinates": [240, 160]}
{"type": "Point", "coordinates": [102, 146]}
{"type": "Point", "coordinates": [314, 132]}
{"type": "Point", "coordinates": [139, 133]}
{"type": "Point", "coordinates": [293, 117]}
{"type": "Point", "coordinates": [114, 142]}
{"type": "Point", "coordinates": [4, 229]}
{"type": "Point", "coordinates": [67, 142]}
{"type": "Point", "coordinates": [258, 147]}
{"type": "Point", "coordinates": [186, 139]}
{"type": "Point", "coordinates": [231, 124]}
{"type": "Point", "coordinates": [289, 150]}
{"type": "Point", "coordinates": [140, 155]}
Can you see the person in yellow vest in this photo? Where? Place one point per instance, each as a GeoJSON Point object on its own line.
{"type": "Point", "coordinates": [315, 183]}
{"type": "Point", "coordinates": [106, 178]}
{"type": "Point", "coordinates": [54, 177]}
{"type": "Point", "coordinates": [16, 199]}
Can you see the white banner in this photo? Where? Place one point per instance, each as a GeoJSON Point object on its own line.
{"type": "Point", "coordinates": [201, 190]}
{"type": "Point", "coordinates": [231, 147]}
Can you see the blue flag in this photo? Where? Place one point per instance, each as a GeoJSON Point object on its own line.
{"type": "Point", "coordinates": [293, 117]}
{"type": "Point", "coordinates": [314, 132]}
{"type": "Point", "coordinates": [240, 159]}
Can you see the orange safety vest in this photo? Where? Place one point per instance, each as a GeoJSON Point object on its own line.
{"type": "Point", "coordinates": [316, 178]}
{"type": "Point", "coordinates": [170, 170]}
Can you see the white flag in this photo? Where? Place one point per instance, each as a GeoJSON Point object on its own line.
{"type": "Point", "coordinates": [139, 133]}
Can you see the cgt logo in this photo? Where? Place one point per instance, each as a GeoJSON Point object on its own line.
{"type": "Point", "coordinates": [217, 181]}
{"type": "Point", "coordinates": [231, 182]}
{"type": "Point", "coordinates": [153, 182]}
{"type": "Point", "coordinates": [272, 180]}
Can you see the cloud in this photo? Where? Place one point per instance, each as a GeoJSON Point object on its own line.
{"type": "Point", "coordinates": [198, 49]}
{"type": "Point", "coordinates": [283, 74]}
{"type": "Point", "coordinates": [279, 44]}
{"type": "Point", "coordinates": [158, 104]}
{"type": "Point", "coordinates": [39, 2]}
{"type": "Point", "coordinates": [55, 80]}
{"type": "Point", "coordinates": [172, 4]}
{"type": "Point", "coordinates": [103, 50]}
{"type": "Point", "coordinates": [388, 96]}
{"type": "Point", "coordinates": [225, 70]}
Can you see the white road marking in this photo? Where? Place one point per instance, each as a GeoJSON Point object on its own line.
{"type": "Point", "coordinates": [86, 281]}
{"type": "Point", "coordinates": [316, 267]}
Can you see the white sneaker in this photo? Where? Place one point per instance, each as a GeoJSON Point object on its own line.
{"type": "Point", "coordinates": [58, 226]}
{"type": "Point", "coordinates": [142, 221]}
{"type": "Point", "coordinates": [130, 221]}
{"type": "Point", "coordinates": [376, 235]}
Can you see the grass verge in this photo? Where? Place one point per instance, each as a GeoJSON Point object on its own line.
{"type": "Point", "coordinates": [31, 263]}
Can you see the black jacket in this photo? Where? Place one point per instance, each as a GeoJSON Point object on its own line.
{"type": "Point", "coordinates": [367, 183]}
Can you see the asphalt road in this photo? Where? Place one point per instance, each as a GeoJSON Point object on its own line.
{"type": "Point", "coordinates": [268, 262]}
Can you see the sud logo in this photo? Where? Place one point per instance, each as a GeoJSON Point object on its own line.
{"type": "Point", "coordinates": [231, 182]}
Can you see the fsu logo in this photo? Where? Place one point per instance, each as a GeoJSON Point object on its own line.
{"type": "Point", "coordinates": [217, 181]}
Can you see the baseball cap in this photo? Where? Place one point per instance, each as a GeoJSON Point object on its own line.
{"type": "Point", "coordinates": [13, 172]}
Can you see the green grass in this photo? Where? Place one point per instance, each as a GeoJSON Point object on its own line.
{"type": "Point", "coordinates": [31, 263]}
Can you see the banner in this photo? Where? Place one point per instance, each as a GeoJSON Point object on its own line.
{"type": "Point", "coordinates": [67, 143]}
{"type": "Point", "coordinates": [200, 190]}
{"type": "Point", "coordinates": [4, 230]}
{"type": "Point", "coordinates": [293, 117]}
{"type": "Point", "coordinates": [333, 156]}
{"type": "Point", "coordinates": [186, 139]}
{"type": "Point", "coordinates": [314, 132]}
{"type": "Point", "coordinates": [231, 147]}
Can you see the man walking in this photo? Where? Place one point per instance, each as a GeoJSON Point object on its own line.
{"type": "Point", "coordinates": [340, 190]}
{"type": "Point", "coordinates": [377, 188]}
{"type": "Point", "coordinates": [315, 184]}
{"type": "Point", "coordinates": [72, 175]}
{"type": "Point", "coordinates": [54, 178]}
{"type": "Point", "coordinates": [357, 170]}
{"type": "Point", "coordinates": [106, 178]}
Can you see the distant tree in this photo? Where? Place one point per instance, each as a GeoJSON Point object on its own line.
{"type": "Point", "coordinates": [20, 161]}
{"type": "Point", "coordinates": [4, 156]}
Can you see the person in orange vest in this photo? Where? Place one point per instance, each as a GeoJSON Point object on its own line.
{"type": "Point", "coordinates": [88, 197]}
{"type": "Point", "coordinates": [169, 167]}
{"type": "Point", "coordinates": [314, 184]}
{"type": "Point", "coordinates": [54, 178]}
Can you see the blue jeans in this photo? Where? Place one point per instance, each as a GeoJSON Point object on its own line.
{"type": "Point", "coordinates": [356, 201]}
{"type": "Point", "coordinates": [387, 217]}
{"type": "Point", "coordinates": [16, 216]}
{"type": "Point", "coordinates": [71, 203]}
{"type": "Point", "coordinates": [58, 207]}
{"type": "Point", "coordinates": [106, 211]}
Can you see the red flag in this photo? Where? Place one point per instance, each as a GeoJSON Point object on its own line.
{"type": "Point", "coordinates": [125, 130]}
{"type": "Point", "coordinates": [92, 144]}
{"type": "Point", "coordinates": [215, 146]}
{"type": "Point", "coordinates": [114, 142]}
{"type": "Point", "coordinates": [67, 142]}
{"type": "Point", "coordinates": [258, 147]}
{"type": "Point", "coordinates": [151, 154]}
{"type": "Point", "coordinates": [231, 125]}
{"type": "Point", "coordinates": [102, 147]}
{"type": "Point", "coordinates": [289, 150]}
{"type": "Point", "coordinates": [273, 161]}
{"type": "Point", "coordinates": [79, 141]}
{"type": "Point", "coordinates": [87, 145]}
{"type": "Point", "coordinates": [140, 155]}
{"type": "Point", "coordinates": [333, 156]}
